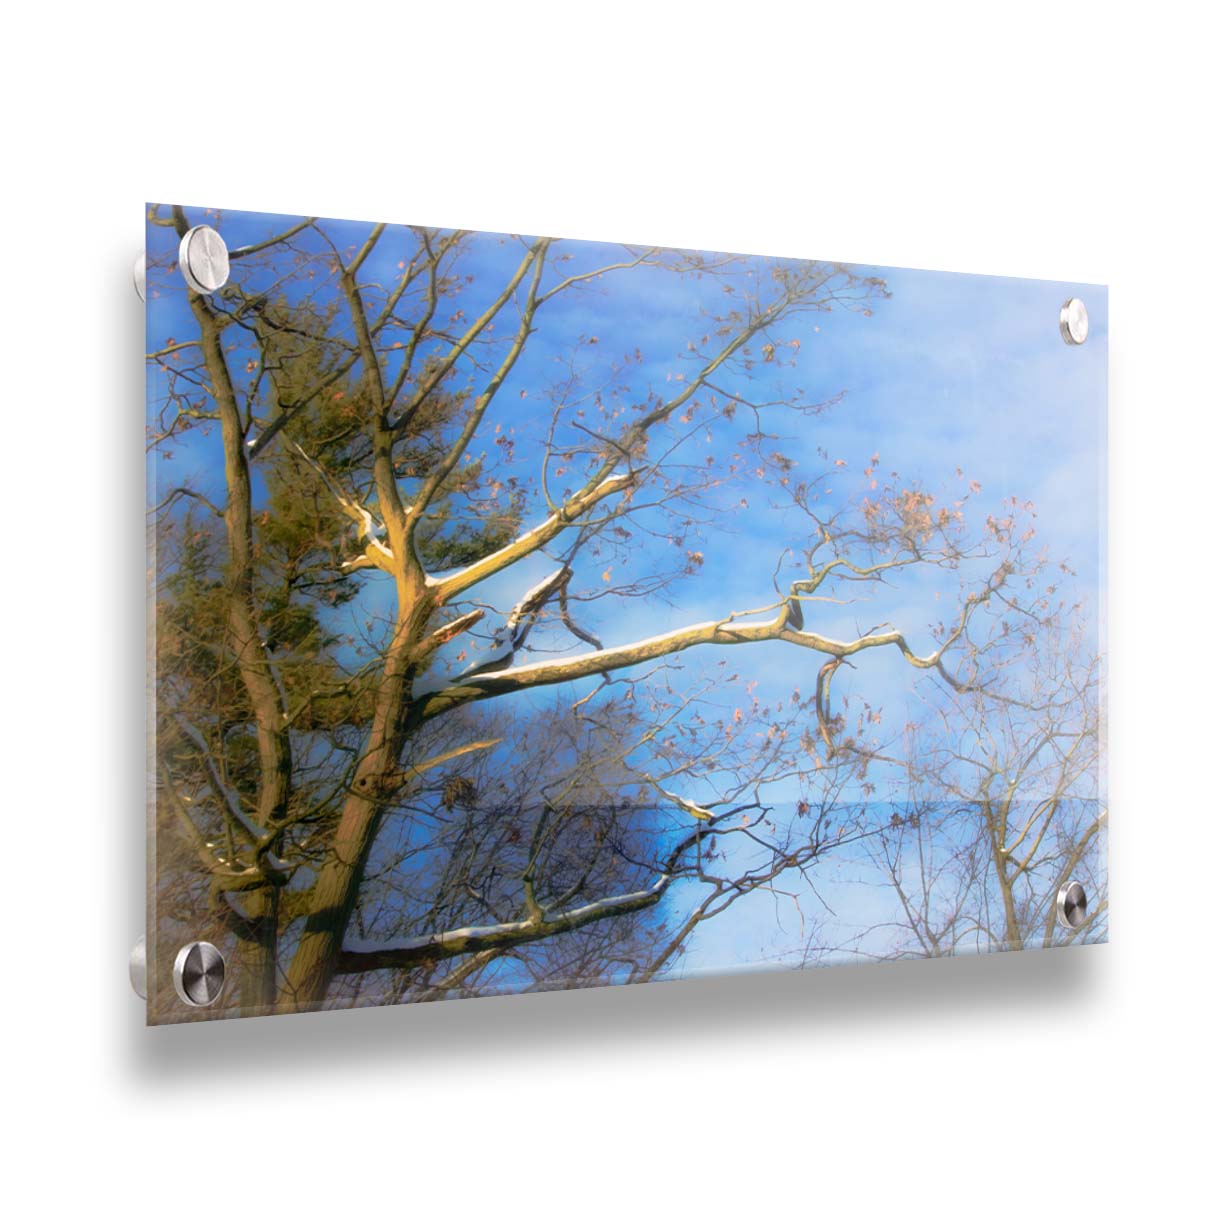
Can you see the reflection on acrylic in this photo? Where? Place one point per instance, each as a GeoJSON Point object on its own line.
{"type": "Point", "coordinates": [534, 614]}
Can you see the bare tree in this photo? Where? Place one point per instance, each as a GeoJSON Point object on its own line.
{"type": "Point", "coordinates": [348, 393]}
{"type": "Point", "coordinates": [1003, 808]}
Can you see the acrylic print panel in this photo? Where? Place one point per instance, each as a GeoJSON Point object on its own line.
{"type": "Point", "coordinates": [534, 614]}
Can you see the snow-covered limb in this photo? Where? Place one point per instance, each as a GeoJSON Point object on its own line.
{"type": "Point", "coordinates": [453, 584]}
{"type": "Point", "coordinates": [693, 809]}
{"type": "Point", "coordinates": [511, 636]}
{"type": "Point", "coordinates": [448, 632]}
{"type": "Point", "coordinates": [725, 632]}
{"type": "Point", "coordinates": [364, 955]}
{"type": "Point", "coordinates": [524, 612]}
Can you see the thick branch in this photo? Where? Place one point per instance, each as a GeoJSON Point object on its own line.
{"type": "Point", "coordinates": [447, 633]}
{"type": "Point", "coordinates": [403, 954]}
{"type": "Point", "coordinates": [446, 589]}
{"type": "Point", "coordinates": [710, 633]}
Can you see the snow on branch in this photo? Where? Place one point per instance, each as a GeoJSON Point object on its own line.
{"type": "Point", "coordinates": [375, 553]}
{"type": "Point", "coordinates": [451, 585]}
{"type": "Point", "coordinates": [448, 632]}
{"type": "Point", "coordinates": [685, 805]}
{"type": "Point", "coordinates": [509, 639]}
{"type": "Point", "coordinates": [367, 954]}
{"type": "Point", "coordinates": [726, 632]}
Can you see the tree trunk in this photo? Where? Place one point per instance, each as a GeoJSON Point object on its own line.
{"type": "Point", "coordinates": [257, 952]}
{"type": "Point", "coordinates": [335, 892]}
{"type": "Point", "coordinates": [254, 663]}
{"type": "Point", "coordinates": [997, 825]}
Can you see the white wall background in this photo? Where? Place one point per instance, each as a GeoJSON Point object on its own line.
{"type": "Point", "coordinates": [1072, 141]}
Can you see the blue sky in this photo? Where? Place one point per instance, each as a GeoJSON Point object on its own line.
{"type": "Point", "coordinates": [949, 372]}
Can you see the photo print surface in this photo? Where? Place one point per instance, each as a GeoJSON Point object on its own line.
{"type": "Point", "coordinates": [531, 614]}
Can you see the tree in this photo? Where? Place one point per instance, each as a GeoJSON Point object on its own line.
{"type": "Point", "coordinates": [359, 625]}
{"type": "Point", "coordinates": [1004, 810]}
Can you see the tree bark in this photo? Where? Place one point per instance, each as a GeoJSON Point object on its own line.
{"type": "Point", "coordinates": [335, 891]}
{"type": "Point", "coordinates": [257, 951]}
{"type": "Point", "coordinates": [243, 638]}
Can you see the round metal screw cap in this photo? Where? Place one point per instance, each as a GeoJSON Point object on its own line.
{"type": "Point", "coordinates": [138, 973]}
{"type": "Point", "coordinates": [1073, 321]}
{"type": "Point", "coordinates": [204, 259]}
{"type": "Point", "coordinates": [1072, 905]}
{"type": "Point", "coordinates": [199, 974]}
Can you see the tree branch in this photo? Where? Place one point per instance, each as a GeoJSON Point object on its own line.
{"type": "Point", "coordinates": [255, 247]}
{"type": "Point", "coordinates": [438, 475]}
{"type": "Point", "coordinates": [446, 589]}
{"type": "Point", "coordinates": [365, 955]}
{"type": "Point", "coordinates": [717, 633]}
{"type": "Point", "coordinates": [444, 367]}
